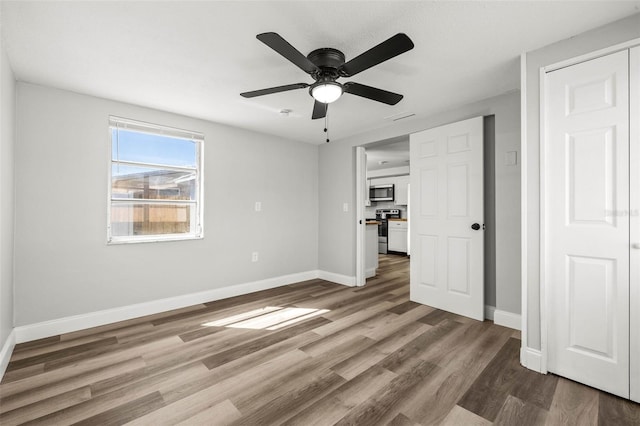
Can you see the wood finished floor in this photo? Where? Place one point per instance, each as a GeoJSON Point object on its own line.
{"type": "Point", "coordinates": [374, 358]}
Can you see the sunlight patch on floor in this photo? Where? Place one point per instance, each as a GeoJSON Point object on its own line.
{"type": "Point", "coordinates": [268, 318]}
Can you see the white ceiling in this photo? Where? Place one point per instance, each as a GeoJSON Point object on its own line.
{"type": "Point", "coordinates": [388, 154]}
{"type": "Point", "coordinates": [194, 58]}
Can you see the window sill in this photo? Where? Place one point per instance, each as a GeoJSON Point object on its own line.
{"type": "Point", "coordinates": [152, 239]}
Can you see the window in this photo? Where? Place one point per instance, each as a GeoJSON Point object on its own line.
{"type": "Point", "coordinates": [155, 190]}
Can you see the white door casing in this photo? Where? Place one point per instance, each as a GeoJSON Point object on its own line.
{"type": "Point", "coordinates": [586, 221]}
{"type": "Point", "coordinates": [634, 160]}
{"type": "Point", "coordinates": [446, 184]}
{"type": "Point", "coordinates": [361, 196]}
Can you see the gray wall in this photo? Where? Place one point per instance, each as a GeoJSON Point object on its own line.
{"type": "Point", "coordinates": [337, 186]}
{"type": "Point", "coordinates": [7, 137]}
{"type": "Point", "coordinates": [63, 266]}
{"type": "Point", "coordinates": [489, 180]}
{"type": "Point", "coordinates": [599, 38]}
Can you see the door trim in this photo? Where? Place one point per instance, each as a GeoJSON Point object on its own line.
{"type": "Point", "coordinates": [544, 302]}
{"type": "Point", "coordinates": [634, 222]}
{"type": "Point", "coordinates": [361, 170]}
{"type": "Point", "coordinates": [593, 55]}
{"type": "Point", "coordinates": [524, 279]}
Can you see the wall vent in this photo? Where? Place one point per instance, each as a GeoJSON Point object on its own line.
{"type": "Point", "coordinates": [399, 116]}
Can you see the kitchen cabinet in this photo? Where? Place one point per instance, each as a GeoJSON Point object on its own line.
{"type": "Point", "coordinates": [398, 235]}
{"type": "Point", "coordinates": [382, 181]}
{"type": "Point", "coordinates": [400, 184]}
{"type": "Point", "coordinates": [402, 190]}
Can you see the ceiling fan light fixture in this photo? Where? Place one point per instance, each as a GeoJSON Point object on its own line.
{"type": "Point", "coordinates": [326, 92]}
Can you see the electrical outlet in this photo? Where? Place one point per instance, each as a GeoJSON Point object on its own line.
{"type": "Point", "coordinates": [258, 206]}
{"type": "Point", "coordinates": [254, 256]}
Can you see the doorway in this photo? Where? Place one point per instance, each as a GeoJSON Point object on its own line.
{"type": "Point", "coordinates": [383, 205]}
{"type": "Point", "coordinates": [489, 209]}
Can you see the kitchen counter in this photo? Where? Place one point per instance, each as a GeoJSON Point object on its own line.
{"type": "Point", "coordinates": [373, 222]}
{"type": "Point", "coordinates": [397, 220]}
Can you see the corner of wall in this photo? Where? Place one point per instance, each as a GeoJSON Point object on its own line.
{"type": "Point", "coordinates": [6, 351]}
{"type": "Point", "coordinates": [7, 206]}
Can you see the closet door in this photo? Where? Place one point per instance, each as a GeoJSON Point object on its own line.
{"type": "Point", "coordinates": [587, 222]}
{"type": "Point", "coordinates": [634, 127]}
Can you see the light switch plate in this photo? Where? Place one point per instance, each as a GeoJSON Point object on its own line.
{"type": "Point", "coordinates": [345, 207]}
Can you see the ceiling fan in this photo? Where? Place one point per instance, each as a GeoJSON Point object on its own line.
{"type": "Point", "coordinates": [326, 65]}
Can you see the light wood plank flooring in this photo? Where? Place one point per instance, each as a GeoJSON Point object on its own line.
{"type": "Point", "coordinates": [312, 353]}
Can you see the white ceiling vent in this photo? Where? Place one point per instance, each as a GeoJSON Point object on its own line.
{"type": "Point", "coordinates": [399, 116]}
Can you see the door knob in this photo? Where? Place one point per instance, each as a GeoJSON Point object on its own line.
{"type": "Point", "coordinates": [635, 245]}
{"type": "Point", "coordinates": [475, 226]}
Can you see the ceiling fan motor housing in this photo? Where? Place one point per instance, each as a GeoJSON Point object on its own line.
{"type": "Point", "coordinates": [326, 57]}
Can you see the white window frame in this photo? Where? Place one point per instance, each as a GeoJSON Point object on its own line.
{"type": "Point", "coordinates": [197, 204]}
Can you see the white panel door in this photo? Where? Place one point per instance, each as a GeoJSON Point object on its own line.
{"type": "Point", "coordinates": [587, 222]}
{"type": "Point", "coordinates": [446, 184]}
{"type": "Point", "coordinates": [634, 157]}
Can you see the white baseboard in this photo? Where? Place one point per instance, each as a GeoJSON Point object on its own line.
{"type": "Point", "coordinates": [507, 319]}
{"type": "Point", "coordinates": [7, 350]}
{"type": "Point", "coordinates": [369, 273]}
{"type": "Point", "coordinates": [55, 327]}
{"type": "Point", "coordinates": [531, 359]}
{"type": "Point", "coordinates": [503, 318]}
{"type": "Point", "coordinates": [489, 312]}
{"type": "Point", "coordinates": [337, 278]}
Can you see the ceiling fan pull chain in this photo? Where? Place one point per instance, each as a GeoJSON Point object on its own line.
{"type": "Point", "coordinates": [326, 122]}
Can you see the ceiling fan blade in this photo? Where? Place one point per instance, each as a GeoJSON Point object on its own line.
{"type": "Point", "coordinates": [372, 93]}
{"type": "Point", "coordinates": [271, 90]}
{"type": "Point", "coordinates": [388, 49]}
{"type": "Point", "coordinates": [282, 46]}
{"type": "Point", "coordinates": [319, 110]}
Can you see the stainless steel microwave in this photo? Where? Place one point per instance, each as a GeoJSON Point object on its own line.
{"type": "Point", "coordinates": [381, 192]}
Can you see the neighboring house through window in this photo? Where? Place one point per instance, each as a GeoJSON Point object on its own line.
{"type": "Point", "coordinates": [155, 190]}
